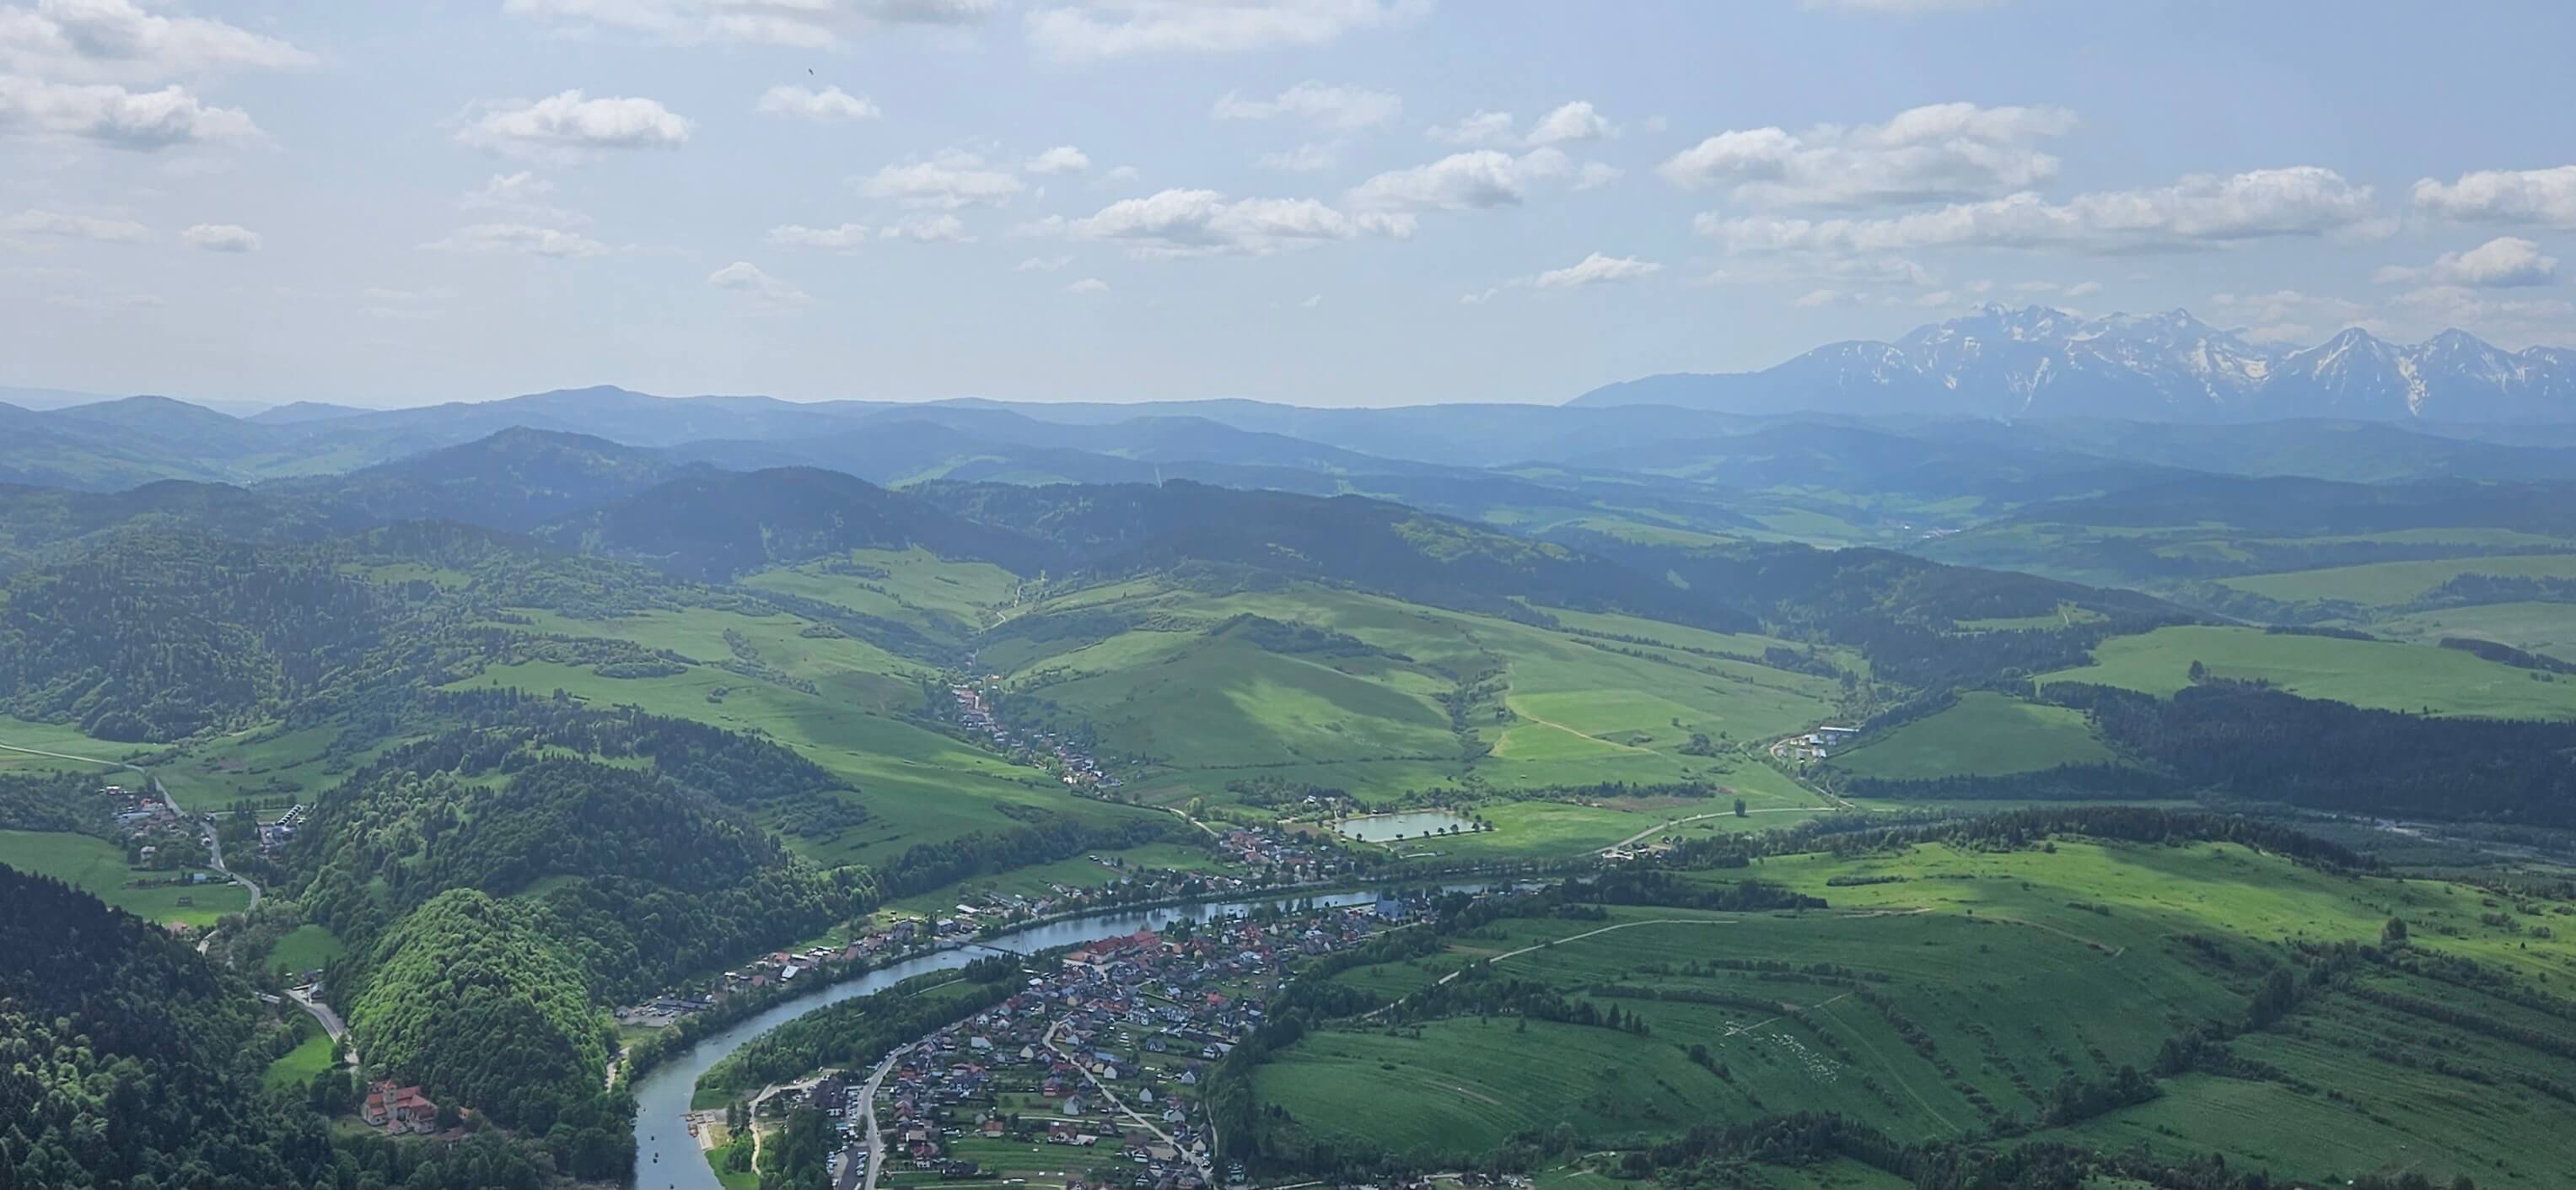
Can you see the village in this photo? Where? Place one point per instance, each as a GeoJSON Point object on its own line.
{"type": "Point", "coordinates": [1090, 1075]}
{"type": "Point", "coordinates": [1075, 767]}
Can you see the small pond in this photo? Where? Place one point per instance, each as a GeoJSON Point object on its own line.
{"type": "Point", "coordinates": [1381, 828]}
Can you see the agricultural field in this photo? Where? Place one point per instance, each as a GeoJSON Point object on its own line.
{"type": "Point", "coordinates": [1357, 692]}
{"type": "Point", "coordinates": [98, 867]}
{"type": "Point", "coordinates": [2385, 675]}
{"type": "Point", "coordinates": [265, 767]}
{"type": "Point", "coordinates": [944, 599]}
{"type": "Point", "coordinates": [311, 1056]}
{"type": "Point", "coordinates": [1959, 989]}
{"type": "Point", "coordinates": [2545, 628]}
{"type": "Point", "coordinates": [37, 738]}
{"type": "Point", "coordinates": [1984, 732]}
{"type": "Point", "coordinates": [2387, 584]}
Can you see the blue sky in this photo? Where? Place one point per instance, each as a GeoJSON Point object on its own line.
{"type": "Point", "coordinates": [1329, 202]}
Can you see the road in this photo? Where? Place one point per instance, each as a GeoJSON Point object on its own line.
{"type": "Point", "coordinates": [876, 1136]}
{"type": "Point", "coordinates": [1697, 817]}
{"type": "Point", "coordinates": [214, 846]}
{"type": "Point", "coordinates": [1197, 1162]}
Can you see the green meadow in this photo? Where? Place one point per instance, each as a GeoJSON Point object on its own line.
{"type": "Point", "coordinates": [2386, 675]}
{"type": "Point", "coordinates": [98, 867]}
{"type": "Point", "coordinates": [2387, 584]}
{"type": "Point", "coordinates": [1984, 732]}
{"type": "Point", "coordinates": [1962, 988]}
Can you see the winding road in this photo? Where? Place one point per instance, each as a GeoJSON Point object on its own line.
{"type": "Point", "coordinates": [876, 1135]}
{"type": "Point", "coordinates": [1196, 1162]}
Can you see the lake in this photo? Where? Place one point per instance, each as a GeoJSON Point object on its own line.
{"type": "Point", "coordinates": [1413, 824]}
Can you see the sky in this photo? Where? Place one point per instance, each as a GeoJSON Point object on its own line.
{"type": "Point", "coordinates": [1325, 202]}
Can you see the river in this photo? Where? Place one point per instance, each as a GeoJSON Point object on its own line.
{"type": "Point", "coordinates": [662, 1099]}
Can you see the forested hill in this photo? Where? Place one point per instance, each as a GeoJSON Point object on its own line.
{"type": "Point", "coordinates": [132, 1061]}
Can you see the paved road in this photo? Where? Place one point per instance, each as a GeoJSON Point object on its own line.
{"type": "Point", "coordinates": [876, 1137]}
{"type": "Point", "coordinates": [214, 846]}
{"type": "Point", "coordinates": [1713, 814]}
{"type": "Point", "coordinates": [332, 1026]}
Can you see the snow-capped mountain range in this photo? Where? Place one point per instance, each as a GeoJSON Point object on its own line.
{"type": "Point", "coordinates": [2039, 362]}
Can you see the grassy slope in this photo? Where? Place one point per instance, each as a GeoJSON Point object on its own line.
{"type": "Point", "coordinates": [2381, 674]}
{"type": "Point", "coordinates": [2547, 628]}
{"type": "Point", "coordinates": [98, 867]}
{"type": "Point", "coordinates": [1984, 733]}
{"type": "Point", "coordinates": [2385, 584]}
{"type": "Point", "coordinates": [1985, 954]}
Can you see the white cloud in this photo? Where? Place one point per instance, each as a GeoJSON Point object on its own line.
{"type": "Point", "coordinates": [1044, 264]}
{"type": "Point", "coordinates": [848, 237]}
{"type": "Point", "coordinates": [1088, 286]}
{"type": "Point", "coordinates": [1305, 159]}
{"type": "Point", "coordinates": [570, 123]}
{"type": "Point", "coordinates": [2504, 262]}
{"type": "Point", "coordinates": [2083, 289]}
{"type": "Point", "coordinates": [743, 277]}
{"type": "Point", "coordinates": [1062, 159]}
{"type": "Point", "coordinates": [2546, 197]}
{"type": "Point", "coordinates": [1893, 271]}
{"type": "Point", "coordinates": [1460, 181]}
{"type": "Point", "coordinates": [222, 237]}
{"type": "Point", "coordinates": [2510, 321]}
{"type": "Point", "coordinates": [802, 24]}
{"type": "Point", "coordinates": [2287, 315]}
{"type": "Point", "coordinates": [1815, 298]}
{"type": "Point", "coordinates": [116, 117]}
{"type": "Point", "coordinates": [1311, 302]}
{"type": "Point", "coordinates": [1597, 269]}
{"type": "Point", "coordinates": [925, 229]}
{"type": "Point", "coordinates": [1478, 298]}
{"type": "Point", "coordinates": [952, 179]}
{"type": "Point", "coordinates": [828, 104]}
{"type": "Point", "coordinates": [1927, 154]}
{"type": "Point", "coordinates": [1178, 223]}
{"type": "Point", "coordinates": [1320, 104]}
{"type": "Point", "coordinates": [1575, 121]}
{"type": "Point", "coordinates": [523, 195]}
{"type": "Point", "coordinates": [1117, 28]}
{"type": "Point", "coordinates": [1596, 174]}
{"type": "Point", "coordinates": [119, 40]}
{"type": "Point", "coordinates": [1481, 129]}
{"type": "Point", "coordinates": [522, 239]}
{"type": "Point", "coordinates": [58, 225]}
{"type": "Point", "coordinates": [2197, 211]}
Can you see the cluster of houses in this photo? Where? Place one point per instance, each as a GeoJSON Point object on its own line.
{"type": "Point", "coordinates": [1102, 1055]}
{"type": "Point", "coordinates": [1814, 744]}
{"type": "Point", "coordinates": [398, 1110]}
{"type": "Point", "coordinates": [1283, 854]}
{"type": "Point", "coordinates": [274, 835]}
{"type": "Point", "coordinates": [1074, 766]}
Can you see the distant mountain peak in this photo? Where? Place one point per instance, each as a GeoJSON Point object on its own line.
{"type": "Point", "coordinates": [2039, 361]}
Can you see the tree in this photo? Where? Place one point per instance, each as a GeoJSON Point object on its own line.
{"type": "Point", "coordinates": [2394, 933]}
{"type": "Point", "coordinates": [1739, 808]}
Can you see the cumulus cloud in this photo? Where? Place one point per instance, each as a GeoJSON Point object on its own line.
{"type": "Point", "coordinates": [1478, 298]}
{"type": "Point", "coordinates": [955, 178]}
{"type": "Point", "coordinates": [112, 40]}
{"type": "Point", "coordinates": [1177, 223]}
{"type": "Point", "coordinates": [1575, 121]}
{"type": "Point", "coordinates": [848, 237]}
{"type": "Point", "coordinates": [523, 196]}
{"type": "Point", "coordinates": [111, 115]}
{"type": "Point", "coordinates": [1597, 269]}
{"type": "Point", "coordinates": [1460, 181]}
{"type": "Point", "coordinates": [2511, 321]}
{"type": "Point", "coordinates": [2197, 211]}
{"type": "Point", "coordinates": [2083, 289]}
{"type": "Point", "coordinates": [925, 229]}
{"type": "Point", "coordinates": [743, 277]}
{"type": "Point", "coordinates": [1313, 157]}
{"type": "Point", "coordinates": [571, 123]}
{"type": "Point", "coordinates": [1481, 129]}
{"type": "Point", "coordinates": [1062, 159]}
{"type": "Point", "coordinates": [1937, 153]}
{"type": "Point", "coordinates": [802, 24]}
{"type": "Point", "coordinates": [1119, 28]}
{"type": "Point", "coordinates": [1088, 286]}
{"type": "Point", "coordinates": [2544, 197]}
{"type": "Point", "coordinates": [2504, 262]}
{"type": "Point", "coordinates": [222, 237]}
{"type": "Point", "coordinates": [1596, 174]}
{"type": "Point", "coordinates": [1044, 264]}
{"type": "Point", "coordinates": [831, 104]}
{"type": "Point", "coordinates": [70, 226]}
{"type": "Point", "coordinates": [1320, 104]}
{"type": "Point", "coordinates": [520, 239]}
